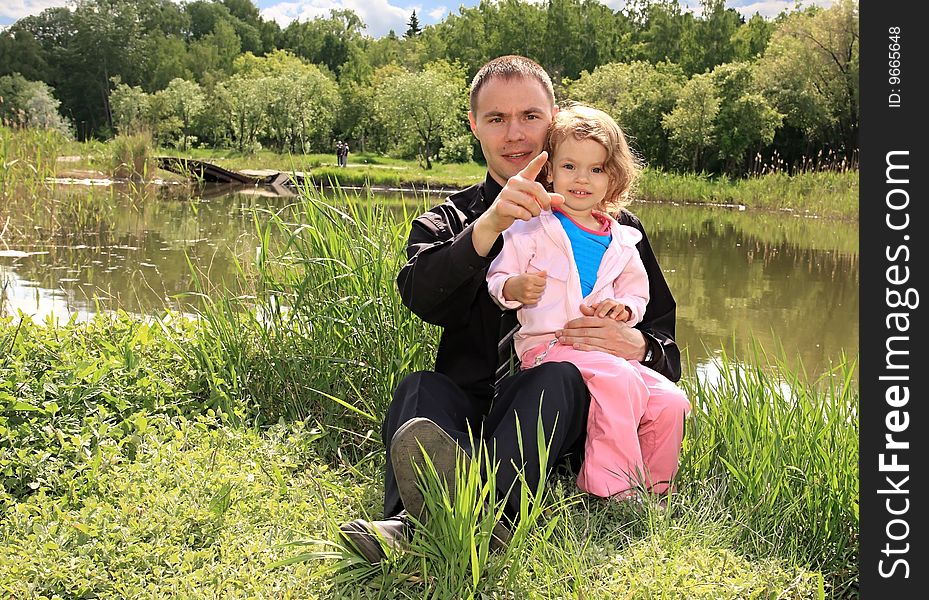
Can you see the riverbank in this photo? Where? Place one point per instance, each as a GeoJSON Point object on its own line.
{"type": "Point", "coordinates": [145, 457]}
{"type": "Point", "coordinates": [826, 194]}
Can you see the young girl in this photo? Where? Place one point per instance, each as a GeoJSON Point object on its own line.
{"type": "Point", "coordinates": [579, 254]}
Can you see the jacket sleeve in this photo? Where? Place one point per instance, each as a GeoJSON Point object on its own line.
{"type": "Point", "coordinates": [443, 274]}
{"type": "Point", "coordinates": [513, 260]}
{"type": "Point", "coordinates": [631, 288]}
{"type": "Point", "coordinates": [658, 322]}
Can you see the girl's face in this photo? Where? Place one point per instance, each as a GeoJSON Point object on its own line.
{"type": "Point", "coordinates": [578, 174]}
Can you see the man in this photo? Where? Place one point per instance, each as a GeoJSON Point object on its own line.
{"type": "Point", "coordinates": [512, 103]}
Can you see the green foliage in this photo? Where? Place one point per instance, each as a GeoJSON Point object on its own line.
{"type": "Point", "coordinates": [692, 123]}
{"type": "Point", "coordinates": [420, 109]}
{"type": "Point", "coordinates": [200, 511]}
{"type": "Point", "coordinates": [26, 103]}
{"type": "Point", "coordinates": [832, 194]}
{"type": "Point", "coordinates": [413, 29]}
{"type": "Point", "coordinates": [635, 94]}
{"type": "Point", "coordinates": [130, 108]}
{"type": "Point", "coordinates": [27, 160]}
{"type": "Point", "coordinates": [809, 72]}
{"type": "Point", "coordinates": [745, 122]}
{"type": "Point", "coordinates": [123, 472]}
{"type": "Point", "coordinates": [174, 111]}
{"type": "Point", "coordinates": [804, 63]}
{"type": "Point", "coordinates": [81, 395]}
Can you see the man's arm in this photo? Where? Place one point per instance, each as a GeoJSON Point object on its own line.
{"type": "Point", "coordinates": [443, 273]}
{"type": "Point", "coordinates": [448, 254]}
{"type": "Point", "coordinates": [660, 315]}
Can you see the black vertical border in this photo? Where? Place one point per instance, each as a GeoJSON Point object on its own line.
{"type": "Point", "coordinates": [886, 128]}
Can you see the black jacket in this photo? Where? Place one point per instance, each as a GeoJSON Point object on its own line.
{"type": "Point", "coordinates": [444, 283]}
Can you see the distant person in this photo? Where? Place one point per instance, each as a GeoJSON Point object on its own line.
{"type": "Point", "coordinates": [338, 152]}
{"type": "Point", "coordinates": [577, 254]}
{"type": "Point", "coordinates": [344, 161]}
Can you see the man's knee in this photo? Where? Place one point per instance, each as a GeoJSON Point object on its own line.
{"type": "Point", "coordinates": [561, 373]}
{"type": "Point", "coordinates": [556, 387]}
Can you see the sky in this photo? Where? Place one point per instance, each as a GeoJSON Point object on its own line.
{"type": "Point", "coordinates": [381, 16]}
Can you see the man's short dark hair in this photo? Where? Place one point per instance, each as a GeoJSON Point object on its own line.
{"type": "Point", "coordinates": [509, 67]}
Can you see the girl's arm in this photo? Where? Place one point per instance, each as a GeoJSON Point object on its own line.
{"type": "Point", "coordinates": [631, 288]}
{"type": "Point", "coordinates": [513, 261]}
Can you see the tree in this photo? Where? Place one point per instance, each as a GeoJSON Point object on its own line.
{"type": "Point", "coordinates": [164, 58]}
{"type": "Point", "coordinates": [130, 108]}
{"type": "Point", "coordinates": [413, 29]}
{"type": "Point", "coordinates": [636, 94]}
{"type": "Point", "coordinates": [745, 122]}
{"type": "Point", "coordinates": [708, 42]}
{"type": "Point", "coordinates": [211, 57]}
{"type": "Point", "coordinates": [330, 42]}
{"type": "Point", "coordinates": [301, 100]}
{"type": "Point", "coordinates": [809, 72]}
{"type": "Point", "coordinates": [241, 103]}
{"type": "Point", "coordinates": [178, 106]}
{"type": "Point", "coordinates": [692, 123]}
{"type": "Point", "coordinates": [419, 108]}
{"type": "Point", "coordinates": [661, 29]}
{"type": "Point", "coordinates": [30, 104]}
{"type": "Point", "coordinates": [21, 53]}
{"type": "Point", "coordinates": [752, 38]}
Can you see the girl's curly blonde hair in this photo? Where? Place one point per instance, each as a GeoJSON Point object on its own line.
{"type": "Point", "coordinates": [622, 165]}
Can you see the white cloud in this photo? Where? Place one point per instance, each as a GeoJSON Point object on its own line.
{"type": "Point", "coordinates": [767, 8]}
{"type": "Point", "coordinates": [772, 8]}
{"type": "Point", "coordinates": [437, 13]}
{"type": "Point", "coordinates": [380, 16]}
{"type": "Point", "coordinates": [14, 10]}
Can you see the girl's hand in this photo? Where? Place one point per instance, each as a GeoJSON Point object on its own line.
{"type": "Point", "coordinates": [526, 288]}
{"type": "Point", "coordinates": [612, 309]}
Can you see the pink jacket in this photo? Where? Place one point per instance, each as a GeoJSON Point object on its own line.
{"type": "Point", "coordinates": [541, 244]}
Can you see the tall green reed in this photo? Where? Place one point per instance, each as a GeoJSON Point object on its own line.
{"type": "Point", "coordinates": [131, 156]}
{"type": "Point", "coordinates": [781, 454]}
{"type": "Point", "coordinates": [316, 330]}
{"type": "Point", "coordinates": [27, 161]}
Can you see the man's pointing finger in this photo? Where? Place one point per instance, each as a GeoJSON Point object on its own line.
{"type": "Point", "coordinates": [532, 170]}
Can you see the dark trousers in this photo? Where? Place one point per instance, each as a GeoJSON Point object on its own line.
{"type": "Point", "coordinates": [564, 406]}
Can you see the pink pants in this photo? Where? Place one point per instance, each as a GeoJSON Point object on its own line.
{"type": "Point", "coordinates": [635, 426]}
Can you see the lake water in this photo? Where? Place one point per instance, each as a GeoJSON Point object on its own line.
{"type": "Point", "coordinates": [737, 275]}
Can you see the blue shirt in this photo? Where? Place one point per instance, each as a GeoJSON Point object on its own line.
{"type": "Point", "coordinates": [588, 247]}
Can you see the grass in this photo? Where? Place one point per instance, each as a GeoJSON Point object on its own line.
{"type": "Point", "coordinates": [831, 194]}
{"type": "Point", "coordinates": [27, 159]}
{"type": "Point", "coordinates": [131, 156]}
{"type": "Point", "coordinates": [216, 457]}
{"type": "Point", "coordinates": [135, 485]}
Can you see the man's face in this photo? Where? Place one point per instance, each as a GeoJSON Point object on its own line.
{"type": "Point", "coordinates": [511, 119]}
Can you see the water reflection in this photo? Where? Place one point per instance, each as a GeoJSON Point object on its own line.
{"type": "Point", "coordinates": [777, 278]}
{"type": "Point", "coordinates": [780, 279]}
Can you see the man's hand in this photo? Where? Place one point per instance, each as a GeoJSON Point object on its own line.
{"type": "Point", "coordinates": [526, 288]}
{"type": "Point", "coordinates": [606, 335]}
{"type": "Point", "coordinates": [521, 198]}
{"type": "Point", "coordinates": [612, 309]}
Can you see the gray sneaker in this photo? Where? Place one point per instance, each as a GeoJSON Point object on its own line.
{"type": "Point", "coordinates": [444, 452]}
{"type": "Point", "coordinates": [405, 451]}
